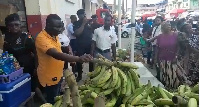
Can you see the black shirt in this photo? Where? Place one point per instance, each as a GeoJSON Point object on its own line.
{"type": "Point", "coordinates": [95, 26]}
{"type": "Point", "coordinates": [85, 38]}
{"type": "Point", "coordinates": [22, 48]}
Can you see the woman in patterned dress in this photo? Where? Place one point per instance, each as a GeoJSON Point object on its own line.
{"type": "Point", "coordinates": [171, 75]}
{"type": "Point", "coordinates": [188, 52]}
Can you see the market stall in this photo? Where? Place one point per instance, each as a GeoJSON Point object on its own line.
{"type": "Point", "coordinates": [122, 84]}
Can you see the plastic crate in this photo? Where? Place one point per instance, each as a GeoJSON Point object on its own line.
{"type": "Point", "coordinates": [12, 76]}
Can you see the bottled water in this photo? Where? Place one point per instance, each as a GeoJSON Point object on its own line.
{"type": "Point", "coordinates": [6, 54]}
{"type": "Point", "coordinates": [1, 72]}
{"type": "Point", "coordinates": [5, 60]}
{"type": "Point", "coordinates": [8, 64]}
{"type": "Point", "coordinates": [5, 68]}
{"type": "Point", "coordinates": [2, 55]}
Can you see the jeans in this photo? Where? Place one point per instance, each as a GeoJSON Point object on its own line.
{"type": "Point", "coordinates": [52, 91]}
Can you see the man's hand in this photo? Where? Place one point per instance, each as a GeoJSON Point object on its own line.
{"type": "Point", "coordinates": [70, 53]}
{"type": "Point", "coordinates": [85, 20]}
{"type": "Point", "coordinates": [85, 58]}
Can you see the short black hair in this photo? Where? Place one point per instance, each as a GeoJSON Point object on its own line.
{"type": "Point", "coordinates": [72, 16]}
{"type": "Point", "coordinates": [11, 18]}
{"type": "Point", "coordinates": [108, 15]}
{"type": "Point", "coordinates": [94, 16]}
{"type": "Point", "coordinates": [51, 17]}
{"type": "Point", "coordinates": [180, 24]}
{"type": "Point", "coordinates": [160, 17]}
{"type": "Point", "coordinates": [80, 11]}
{"type": "Point", "coordinates": [183, 27]}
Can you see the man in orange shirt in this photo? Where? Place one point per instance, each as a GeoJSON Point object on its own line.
{"type": "Point", "coordinates": [50, 57]}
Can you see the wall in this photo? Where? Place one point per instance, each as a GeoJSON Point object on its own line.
{"type": "Point", "coordinates": [142, 8]}
{"type": "Point", "coordinates": [33, 16]}
{"type": "Point", "coordinates": [65, 9]}
{"type": "Point", "coordinates": [91, 6]}
{"type": "Point", "coordinates": [88, 8]}
{"type": "Point", "coordinates": [38, 10]}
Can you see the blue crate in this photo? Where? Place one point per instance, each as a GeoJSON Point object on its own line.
{"type": "Point", "coordinates": [14, 93]}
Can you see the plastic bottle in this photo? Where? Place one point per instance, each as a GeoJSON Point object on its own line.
{"type": "Point", "coordinates": [5, 68]}
{"type": "Point", "coordinates": [15, 63]}
{"type": "Point", "coordinates": [12, 68]}
{"type": "Point", "coordinates": [6, 54]}
{"type": "Point", "coordinates": [2, 55]}
{"type": "Point", "coordinates": [11, 59]}
{"type": "Point", "coordinates": [1, 72]}
{"type": "Point", "coordinates": [1, 59]}
{"type": "Point", "coordinates": [11, 65]}
{"type": "Point", "coordinates": [5, 60]}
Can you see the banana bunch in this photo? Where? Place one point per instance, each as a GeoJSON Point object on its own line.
{"type": "Point", "coordinates": [104, 80]}
{"type": "Point", "coordinates": [63, 100]}
{"type": "Point", "coordinates": [187, 96]}
{"type": "Point", "coordinates": [46, 105]}
{"type": "Point", "coordinates": [60, 100]}
{"type": "Point", "coordinates": [111, 82]}
{"type": "Point", "coordinates": [118, 83]}
{"type": "Point", "coordinates": [148, 96]}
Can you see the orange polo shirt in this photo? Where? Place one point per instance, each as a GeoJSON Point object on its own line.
{"type": "Point", "coordinates": [50, 70]}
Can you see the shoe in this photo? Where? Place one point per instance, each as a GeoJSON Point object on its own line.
{"type": "Point", "coordinates": [151, 66]}
{"type": "Point", "coordinates": [149, 62]}
{"type": "Point", "coordinates": [75, 75]}
{"type": "Point", "coordinates": [79, 78]}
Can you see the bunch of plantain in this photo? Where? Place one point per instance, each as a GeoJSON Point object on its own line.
{"type": "Point", "coordinates": [114, 80]}
{"type": "Point", "coordinates": [118, 83]}
{"type": "Point", "coordinates": [187, 96]}
{"type": "Point", "coordinates": [63, 100]}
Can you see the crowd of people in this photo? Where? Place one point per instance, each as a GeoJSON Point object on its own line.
{"type": "Point", "coordinates": [47, 54]}
{"type": "Point", "coordinates": [173, 50]}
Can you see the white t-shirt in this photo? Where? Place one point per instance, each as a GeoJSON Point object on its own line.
{"type": "Point", "coordinates": [64, 40]}
{"type": "Point", "coordinates": [156, 33]}
{"type": "Point", "coordinates": [104, 38]}
{"type": "Point", "coordinates": [70, 31]}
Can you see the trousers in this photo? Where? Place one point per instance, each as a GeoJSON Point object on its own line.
{"type": "Point", "coordinates": [81, 51]}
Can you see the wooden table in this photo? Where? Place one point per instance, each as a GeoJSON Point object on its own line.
{"type": "Point", "coordinates": [29, 102]}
